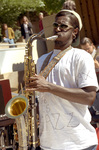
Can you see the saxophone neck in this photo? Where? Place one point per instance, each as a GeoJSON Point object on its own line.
{"type": "Point", "coordinates": [39, 36]}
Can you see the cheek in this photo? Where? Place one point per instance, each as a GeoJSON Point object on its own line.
{"type": "Point", "coordinates": [88, 51]}
{"type": "Point", "coordinates": [67, 34]}
{"type": "Point", "coordinates": [92, 49]}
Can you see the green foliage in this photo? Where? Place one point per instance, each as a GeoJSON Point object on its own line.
{"type": "Point", "coordinates": [53, 6]}
{"type": "Point", "coordinates": [17, 35]}
{"type": "Point", "coordinates": [11, 9]}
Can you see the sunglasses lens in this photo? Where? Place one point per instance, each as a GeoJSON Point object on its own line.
{"type": "Point", "coordinates": [55, 25]}
{"type": "Point", "coordinates": [63, 26]}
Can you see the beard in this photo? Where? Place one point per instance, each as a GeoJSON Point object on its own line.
{"type": "Point", "coordinates": [59, 44]}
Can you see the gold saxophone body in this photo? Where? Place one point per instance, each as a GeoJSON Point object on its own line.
{"type": "Point", "coordinates": [23, 108]}
{"type": "Point", "coordinates": [29, 71]}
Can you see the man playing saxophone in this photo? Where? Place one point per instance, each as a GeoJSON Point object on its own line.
{"type": "Point", "coordinates": [67, 86]}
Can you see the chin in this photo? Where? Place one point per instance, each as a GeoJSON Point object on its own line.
{"type": "Point", "coordinates": [58, 44]}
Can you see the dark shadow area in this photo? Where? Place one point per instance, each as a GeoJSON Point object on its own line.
{"type": "Point", "coordinates": [2, 105]}
{"type": "Point", "coordinates": [20, 80]}
{"type": "Point", "coordinates": [1, 76]}
{"type": "Point", "coordinates": [41, 47]}
{"type": "Point", "coordinates": [18, 67]}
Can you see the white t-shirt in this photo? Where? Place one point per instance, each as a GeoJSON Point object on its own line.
{"type": "Point", "coordinates": [65, 125]}
{"type": "Point", "coordinates": [26, 27]}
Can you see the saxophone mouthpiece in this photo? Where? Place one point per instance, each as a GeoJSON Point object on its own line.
{"type": "Point", "coordinates": [52, 38]}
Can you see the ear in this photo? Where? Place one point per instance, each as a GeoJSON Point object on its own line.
{"type": "Point", "coordinates": [75, 32]}
{"type": "Point", "coordinates": [92, 45]}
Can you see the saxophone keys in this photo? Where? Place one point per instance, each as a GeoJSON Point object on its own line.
{"type": "Point", "coordinates": [30, 57]}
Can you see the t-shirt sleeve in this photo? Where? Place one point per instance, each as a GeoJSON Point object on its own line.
{"type": "Point", "coordinates": [86, 75]}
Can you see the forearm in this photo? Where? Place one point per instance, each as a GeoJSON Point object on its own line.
{"type": "Point", "coordinates": [82, 96]}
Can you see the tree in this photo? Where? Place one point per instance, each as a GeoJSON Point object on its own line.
{"type": "Point", "coordinates": [53, 6]}
{"type": "Point", "coordinates": [11, 9]}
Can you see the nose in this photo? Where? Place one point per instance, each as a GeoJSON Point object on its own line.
{"type": "Point", "coordinates": [58, 29]}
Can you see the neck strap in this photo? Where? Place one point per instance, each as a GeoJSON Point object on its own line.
{"type": "Point", "coordinates": [47, 68]}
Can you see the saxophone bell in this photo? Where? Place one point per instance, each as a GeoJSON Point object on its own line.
{"type": "Point", "coordinates": [16, 107]}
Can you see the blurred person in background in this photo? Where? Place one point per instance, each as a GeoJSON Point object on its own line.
{"type": "Point", "coordinates": [8, 34]}
{"type": "Point", "coordinates": [87, 44]}
{"type": "Point", "coordinates": [40, 21]}
{"type": "Point", "coordinates": [69, 4]}
{"type": "Point", "coordinates": [26, 28]}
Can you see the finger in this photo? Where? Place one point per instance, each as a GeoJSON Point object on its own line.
{"type": "Point", "coordinates": [35, 75]}
{"type": "Point", "coordinates": [33, 78]}
{"type": "Point", "coordinates": [31, 86]}
{"type": "Point", "coordinates": [31, 89]}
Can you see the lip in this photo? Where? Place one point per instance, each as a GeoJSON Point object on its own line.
{"type": "Point", "coordinates": [58, 34]}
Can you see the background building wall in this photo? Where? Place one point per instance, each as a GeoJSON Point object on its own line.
{"type": "Point", "coordinates": [88, 10]}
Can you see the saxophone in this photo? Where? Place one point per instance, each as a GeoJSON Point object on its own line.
{"type": "Point", "coordinates": [23, 108]}
{"type": "Point", "coordinates": [29, 71]}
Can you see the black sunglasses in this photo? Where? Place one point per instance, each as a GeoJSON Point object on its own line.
{"type": "Point", "coordinates": [61, 26]}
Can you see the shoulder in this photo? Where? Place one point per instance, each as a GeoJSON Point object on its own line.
{"type": "Point", "coordinates": [40, 61]}
{"type": "Point", "coordinates": [40, 21]}
{"type": "Point", "coordinates": [22, 25]}
{"type": "Point", "coordinates": [79, 58]}
{"type": "Point", "coordinates": [10, 29]}
{"type": "Point", "coordinates": [81, 54]}
{"type": "Point", "coordinates": [29, 24]}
